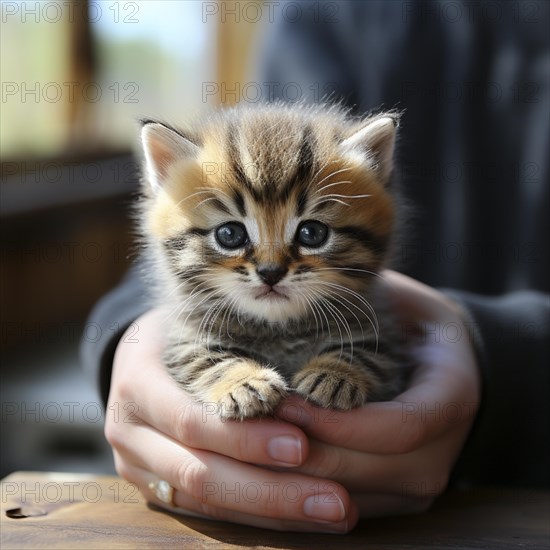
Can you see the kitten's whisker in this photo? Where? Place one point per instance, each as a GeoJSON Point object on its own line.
{"type": "Point", "coordinates": [184, 324]}
{"type": "Point", "coordinates": [211, 293]}
{"type": "Point", "coordinates": [215, 192]}
{"type": "Point", "coordinates": [180, 306]}
{"type": "Point", "coordinates": [227, 315]}
{"type": "Point", "coordinates": [185, 281]}
{"type": "Point", "coordinates": [205, 324]}
{"type": "Point", "coordinates": [195, 288]}
{"type": "Point", "coordinates": [319, 202]}
{"type": "Point", "coordinates": [350, 269]}
{"type": "Point", "coordinates": [364, 301]}
{"type": "Point", "coordinates": [332, 174]}
{"type": "Point", "coordinates": [319, 309]}
{"type": "Point", "coordinates": [308, 303]}
{"type": "Point", "coordinates": [302, 298]}
{"type": "Point", "coordinates": [337, 316]}
{"type": "Point", "coordinates": [331, 310]}
{"type": "Point", "coordinates": [206, 200]}
{"type": "Point", "coordinates": [218, 191]}
{"type": "Point", "coordinates": [359, 296]}
{"type": "Point", "coordinates": [189, 280]}
{"type": "Point", "coordinates": [202, 192]}
{"type": "Point", "coordinates": [215, 287]}
{"type": "Point", "coordinates": [323, 166]}
{"type": "Point", "coordinates": [346, 196]}
{"type": "Point", "coordinates": [225, 308]}
{"type": "Point", "coordinates": [203, 329]}
{"type": "Point", "coordinates": [238, 314]}
{"type": "Point", "coordinates": [347, 328]}
{"type": "Point", "coordinates": [217, 309]}
{"type": "Point", "coordinates": [356, 295]}
{"type": "Point", "coordinates": [374, 323]}
{"type": "Point", "coordinates": [338, 299]}
{"type": "Point", "coordinates": [330, 294]}
{"type": "Point", "coordinates": [335, 197]}
{"type": "Point", "coordinates": [187, 299]}
{"type": "Point", "coordinates": [319, 191]}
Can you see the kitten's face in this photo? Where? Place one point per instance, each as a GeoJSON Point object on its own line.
{"type": "Point", "coordinates": [271, 212]}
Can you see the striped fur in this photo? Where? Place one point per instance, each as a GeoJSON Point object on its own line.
{"type": "Point", "coordinates": [274, 314]}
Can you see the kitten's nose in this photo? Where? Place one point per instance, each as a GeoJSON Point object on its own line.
{"type": "Point", "coordinates": [271, 274]}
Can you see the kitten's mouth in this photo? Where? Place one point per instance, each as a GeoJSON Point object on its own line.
{"type": "Point", "coordinates": [271, 293]}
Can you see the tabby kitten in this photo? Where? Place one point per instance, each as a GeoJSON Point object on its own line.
{"type": "Point", "coordinates": [267, 227]}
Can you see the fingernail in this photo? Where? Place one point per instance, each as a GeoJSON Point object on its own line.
{"type": "Point", "coordinates": [325, 507]}
{"type": "Point", "coordinates": [285, 449]}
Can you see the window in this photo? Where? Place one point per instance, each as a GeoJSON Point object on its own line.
{"type": "Point", "coordinates": [76, 75]}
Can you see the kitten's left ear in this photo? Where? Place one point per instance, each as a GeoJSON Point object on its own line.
{"type": "Point", "coordinates": [162, 146]}
{"type": "Point", "coordinates": [374, 140]}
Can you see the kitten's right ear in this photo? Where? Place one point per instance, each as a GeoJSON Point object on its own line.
{"type": "Point", "coordinates": [162, 146]}
{"type": "Point", "coordinates": [375, 139]}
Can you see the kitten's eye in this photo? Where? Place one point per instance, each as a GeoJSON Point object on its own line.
{"type": "Point", "coordinates": [231, 235]}
{"type": "Point", "coordinates": [312, 233]}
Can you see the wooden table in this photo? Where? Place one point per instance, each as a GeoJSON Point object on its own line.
{"type": "Point", "coordinates": [86, 511]}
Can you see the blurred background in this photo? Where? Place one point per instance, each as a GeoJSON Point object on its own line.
{"type": "Point", "coordinates": [76, 75]}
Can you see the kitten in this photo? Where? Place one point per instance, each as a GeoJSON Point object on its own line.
{"type": "Point", "coordinates": [267, 227]}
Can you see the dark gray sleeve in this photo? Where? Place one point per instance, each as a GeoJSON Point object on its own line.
{"type": "Point", "coordinates": [109, 319]}
{"type": "Point", "coordinates": [509, 441]}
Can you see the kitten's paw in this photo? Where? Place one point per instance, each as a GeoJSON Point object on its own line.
{"type": "Point", "coordinates": [246, 392]}
{"type": "Point", "coordinates": [330, 385]}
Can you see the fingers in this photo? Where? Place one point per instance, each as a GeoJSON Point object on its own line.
{"type": "Point", "coordinates": [443, 393]}
{"type": "Point", "coordinates": [210, 483]}
{"type": "Point", "coordinates": [392, 427]}
{"type": "Point", "coordinates": [262, 441]}
{"type": "Point", "coordinates": [186, 505]}
{"type": "Point", "coordinates": [439, 399]}
{"type": "Point", "coordinates": [369, 505]}
{"type": "Point", "coordinates": [424, 470]}
{"type": "Point", "coordinates": [172, 411]}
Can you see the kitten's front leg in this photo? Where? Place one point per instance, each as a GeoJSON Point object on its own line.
{"type": "Point", "coordinates": [340, 379]}
{"type": "Point", "coordinates": [240, 387]}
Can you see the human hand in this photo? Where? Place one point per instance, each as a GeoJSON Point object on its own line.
{"type": "Point", "coordinates": [395, 457]}
{"type": "Point", "coordinates": [214, 465]}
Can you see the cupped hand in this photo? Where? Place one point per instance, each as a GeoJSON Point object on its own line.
{"type": "Point", "coordinates": [310, 469]}
{"type": "Point", "coordinates": [396, 457]}
{"type": "Point", "coordinates": [222, 470]}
